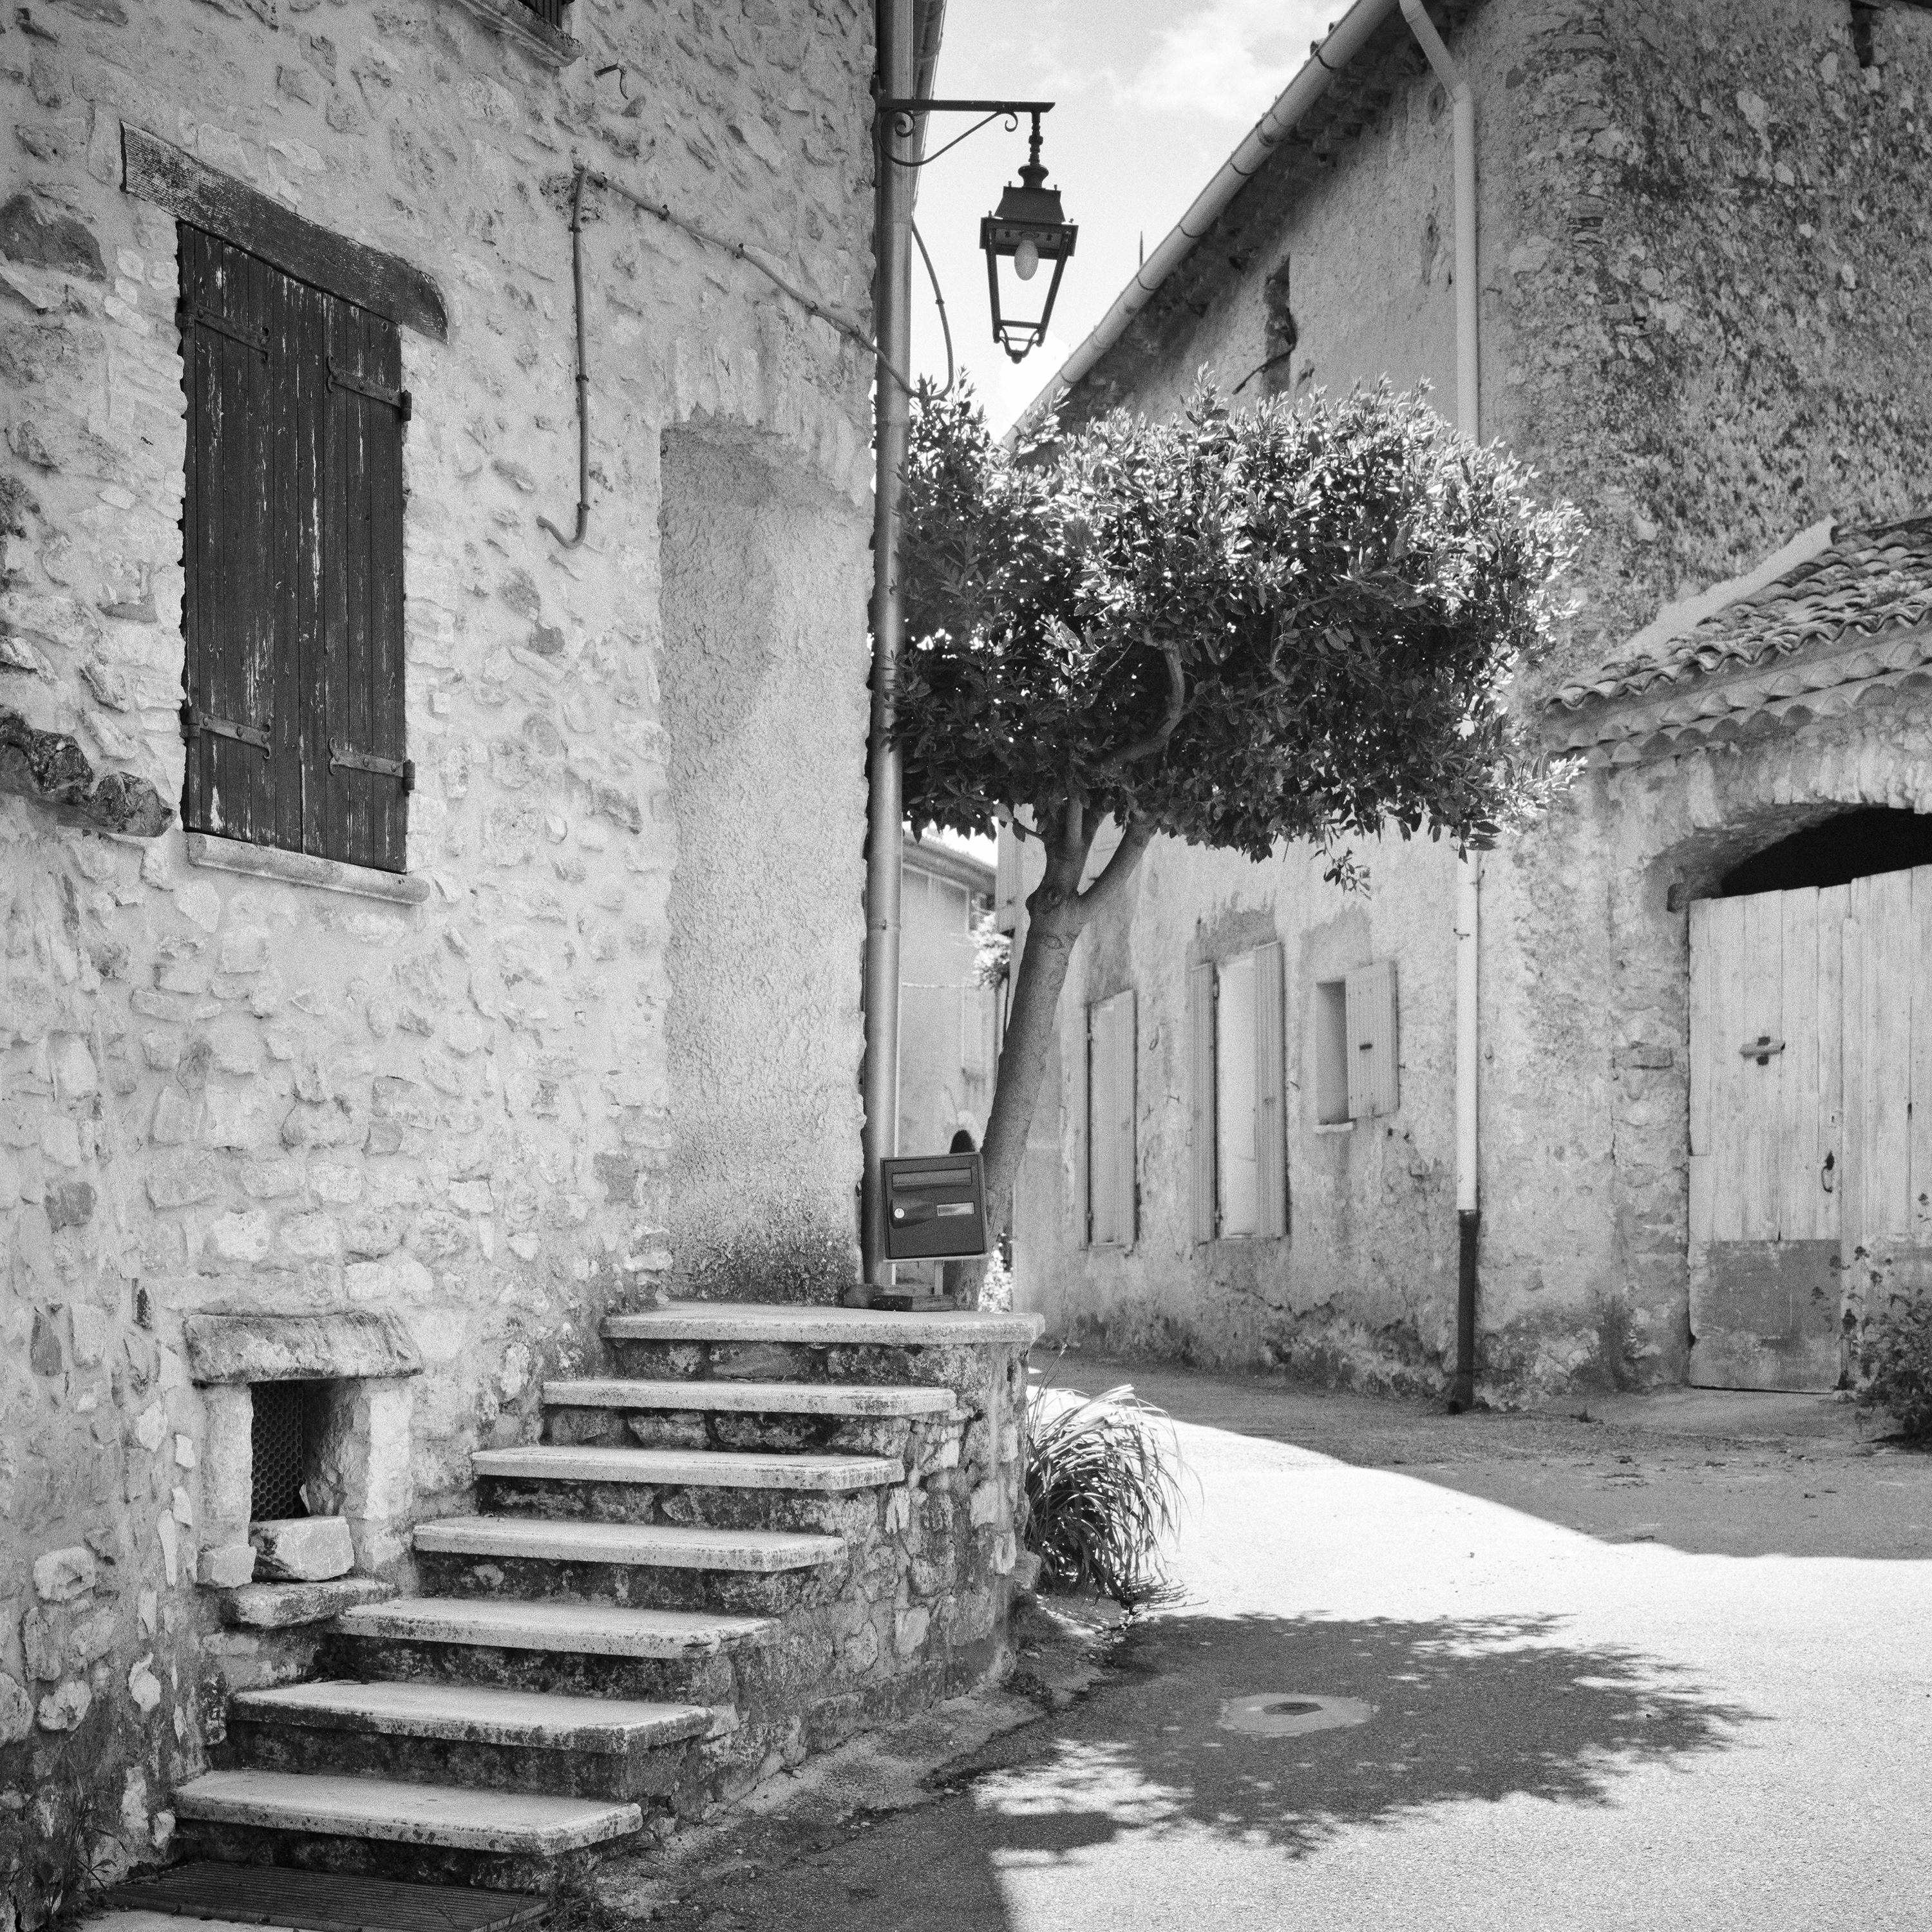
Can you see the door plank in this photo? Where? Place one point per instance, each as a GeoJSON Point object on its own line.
{"type": "Point", "coordinates": [1853, 1141]}
{"type": "Point", "coordinates": [1701, 912]}
{"type": "Point", "coordinates": [1834, 904]}
{"type": "Point", "coordinates": [1888, 1062]}
{"type": "Point", "coordinates": [1797, 1153]}
{"type": "Point", "coordinates": [1762, 1084]}
{"type": "Point", "coordinates": [1730, 1150]}
{"type": "Point", "coordinates": [1920, 1058]}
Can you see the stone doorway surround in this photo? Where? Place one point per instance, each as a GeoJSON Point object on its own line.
{"type": "Point", "coordinates": [368, 1361]}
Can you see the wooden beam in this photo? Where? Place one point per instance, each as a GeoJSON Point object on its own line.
{"type": "Point", "coordinates": [206, 198]}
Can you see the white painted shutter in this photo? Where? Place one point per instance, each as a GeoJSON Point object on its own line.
{"type": "Point", "coordinates": [1370, 997]}
{"type": "Point", "coordinates": [1201, 1101]}
{"type": "Point", "coordinates": [1270, 1105]}
{"type": "Point", "coordinates": [1110, 1140]}
{"type": "Point", "coordinates": [1234, 1095]}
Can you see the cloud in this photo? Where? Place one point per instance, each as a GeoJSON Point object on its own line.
{"type": "Point", "coordinates": [1227, 59]}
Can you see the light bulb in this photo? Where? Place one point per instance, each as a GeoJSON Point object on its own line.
{"type": "Point", "coordinates": [1026, 259]}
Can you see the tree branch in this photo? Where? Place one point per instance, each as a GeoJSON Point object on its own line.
{"type": "Point", "coordinates": [1155, 740]}
{"type": "Point", "coordinates": [1120, 863]}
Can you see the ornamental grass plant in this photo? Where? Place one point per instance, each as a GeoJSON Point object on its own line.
{"type": "Point", "coordinates": [1103, 1492]}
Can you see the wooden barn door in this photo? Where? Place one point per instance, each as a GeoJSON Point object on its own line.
{"type": "Point", "coordinates": [1810, 1025]}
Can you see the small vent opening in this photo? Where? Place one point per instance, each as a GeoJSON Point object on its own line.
{"type": "Point", "coordinates": [279, 1450]}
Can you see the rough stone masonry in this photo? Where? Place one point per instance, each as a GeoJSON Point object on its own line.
{"type": "Point", "coordinates": [490, 1096]}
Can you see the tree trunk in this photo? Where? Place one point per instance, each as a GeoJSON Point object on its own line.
{"type": "Point", "coordinates": [1058, 913]}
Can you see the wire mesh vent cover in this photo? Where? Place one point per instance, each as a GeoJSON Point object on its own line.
{"type": "Point", "coordinates": [279, 1444]}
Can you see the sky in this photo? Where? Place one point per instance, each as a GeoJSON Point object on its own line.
{"type": "Point", "coordinates": [1151, 97]}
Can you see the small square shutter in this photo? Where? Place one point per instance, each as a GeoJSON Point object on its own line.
{"type": "Point", "coordinates": [1201, 1101]}
{"type": "Point", "coordinates": [1270, 1109]}
{"type": "Point", "coordinates": [1110, 1143]}
{"type": "Point", "coordinates": [1370, 995]}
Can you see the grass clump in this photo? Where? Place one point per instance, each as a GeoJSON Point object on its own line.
{"type": "Point", "coordinates": [1895, 1359]}
{"type": "Point", "coordinates": [1103, 1492]}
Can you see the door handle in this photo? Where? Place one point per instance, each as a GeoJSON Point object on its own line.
{"type": "Point", "coordinates": [1825, 1180]}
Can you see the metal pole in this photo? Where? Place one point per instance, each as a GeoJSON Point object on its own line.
{"type": "Point", "coordinates": [892, 290]}
{"type": "Point", "coordinates": [1469, 868]}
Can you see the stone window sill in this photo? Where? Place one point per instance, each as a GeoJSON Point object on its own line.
{"type": "Point", "coordinates": [302, 868]}
{"type": "Point", "coordinates": [1335, 1127]}
{"type": "Point", "coordinates": [515, 22]}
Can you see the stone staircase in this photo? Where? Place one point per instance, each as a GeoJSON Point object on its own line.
{"type": "Point", "coordinates": [780, 1526]}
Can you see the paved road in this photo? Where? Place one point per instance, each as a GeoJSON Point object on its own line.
{"type": "Point", "coordinates": [1567, 1731]}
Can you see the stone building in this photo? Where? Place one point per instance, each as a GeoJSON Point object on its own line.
{"type": "Point", "coordinates": [1701, 280]}
{"type": "Point", "coordinates": [946, 1017]}
{"type": "Point", "coordinates": [425, 932]}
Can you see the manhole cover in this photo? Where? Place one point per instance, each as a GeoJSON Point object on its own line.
{"type": "Point", "coordinates": [1282, 1713]}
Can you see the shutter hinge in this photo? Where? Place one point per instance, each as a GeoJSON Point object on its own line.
{"type": "Point", "coordinates": [398, 400]}
{"type": "Point", "coordinates": [192, 316]}
{"type": "Point", "coordinates": [341, 758]}
{"type": "Point", "coordinates": [194, 721]}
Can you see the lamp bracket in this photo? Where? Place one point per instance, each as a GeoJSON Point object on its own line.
{"type": "Point", "coordinates": [901, 116]}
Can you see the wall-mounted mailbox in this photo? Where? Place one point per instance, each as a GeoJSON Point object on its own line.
{"type": "Point", "coordinates": [935, 1207]}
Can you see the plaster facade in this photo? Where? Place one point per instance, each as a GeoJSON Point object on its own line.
{"type": "Point", "coordinates": [490, 1100]}
{"type": "Point", "coordinates": [1702, 271]}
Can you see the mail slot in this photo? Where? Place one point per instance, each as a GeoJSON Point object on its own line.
{"type": "Point", "coordinates": [935, 1206]}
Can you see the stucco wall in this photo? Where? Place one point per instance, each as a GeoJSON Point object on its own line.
{"type": "Point", "coordinates": [1703, 261]}
{"type": "Point", "coordinates": [220, 1093]}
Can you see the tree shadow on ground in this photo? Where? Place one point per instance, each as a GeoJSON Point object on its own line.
{"type": "Point", "coordinates": [1475, 1710]}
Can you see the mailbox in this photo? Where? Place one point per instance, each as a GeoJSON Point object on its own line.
{"type": "Point", "coordinates": [935, 1207]}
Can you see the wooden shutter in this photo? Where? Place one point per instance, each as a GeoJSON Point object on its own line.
{"type": "Point", "coordinates": [234, 717]}
{"type": "Point", "coordinates": [1370, 993]}
{"type": "Point", "coordinates": [1110, 1137]}
{"type": "Point", "coordinates": [1201, 1101]}
{"type": "Point", "coordinates": [293, 543]}
{"type": "Point", "coordinates": [1271, 1109]}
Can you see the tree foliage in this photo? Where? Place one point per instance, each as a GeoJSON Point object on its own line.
{"type": "Point", "coordinates": [1235, 628]}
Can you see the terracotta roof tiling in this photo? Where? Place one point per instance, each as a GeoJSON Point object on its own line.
{"type": "Point", "coordinates": [1859, 612]}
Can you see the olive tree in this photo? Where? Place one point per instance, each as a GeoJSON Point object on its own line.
{"type": "Point", "coordinates": [1233, 628]}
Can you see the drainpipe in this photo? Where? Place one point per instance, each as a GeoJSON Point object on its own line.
{"type": "Point", "coordinates": [892, 297]}
{"type": "Point", "coordinates": [1468, 870]}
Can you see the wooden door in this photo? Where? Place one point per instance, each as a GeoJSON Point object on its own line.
{"type": "Point", "coordinates": [1765, 1158]}
{"type": "Point", "coordinates": [1810, 1168]}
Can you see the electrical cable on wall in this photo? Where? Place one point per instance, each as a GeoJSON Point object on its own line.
{"type": "Point", "coordinates": [939, 298]}
{"type": "Point", "coordinates": [586, 177]}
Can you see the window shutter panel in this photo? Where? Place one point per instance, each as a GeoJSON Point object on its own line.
{"type": "Point", "coordinates": [236, 376]}
{"type": "Point", "coordinates": [1125, 1193]}
{"type": "Point", "coordinates": [1271, 1108]}
{"type": "Point", "coordinates": [1201, 1101]}
{"type": "Point", "coordinates": [1372, 1040]}
{"type": "Point", "coordinates": [354, 758]}
{"type": "Point", "coordinates": [1110, 1139]}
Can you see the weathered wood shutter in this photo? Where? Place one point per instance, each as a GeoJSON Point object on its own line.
{"type": "Point", "coordinates": [1271, 1109]}
{"type": "Point", "coordinates": [1110, 1137]}
{"type": "Point", "coordinates": [1202, 1189]}
{"type": "Point", "coordinates": [292, 526]}
{"type": "Point", "coordinates": [1369, 993]}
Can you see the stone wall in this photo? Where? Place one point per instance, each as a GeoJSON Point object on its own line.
{"type": "Point", "coordinates": [222, 1092]}
{"type": "Point", "coordinates": [1703, 267]}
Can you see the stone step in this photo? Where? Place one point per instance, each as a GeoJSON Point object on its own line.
{"type": "Point", "coordinates": [742, 1322]}
{"type": "Point", "coordinates": [687, 1468]}
{"type": "Point", "coordinates": [526, 1824]}
{"type": "Point", "coordinates": [658, 1545]}
{"type": "Point", "coordinates": [474, 1714]}
{"type": "Point", "coordinates": [477, 1735]}
{"type": "Point", "coordinates": [589, 1629]}
{"type": "Point", "coordinates": [755, 1398]}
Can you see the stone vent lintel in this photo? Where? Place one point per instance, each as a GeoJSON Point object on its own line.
{"type": "Point", "coordinates": [352, 1346]}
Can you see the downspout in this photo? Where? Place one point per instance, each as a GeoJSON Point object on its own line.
{"type": "Point", "coordinates": [1468, 870]}
{"type": "Point", "coordinates": [892, 289]}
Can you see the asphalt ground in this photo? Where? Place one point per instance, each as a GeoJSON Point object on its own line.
{"type": "Point", "coordinates": [1709, 1705]}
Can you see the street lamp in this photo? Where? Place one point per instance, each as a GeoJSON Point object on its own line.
{"type": "Point", "coordinates": [1027, 228]}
